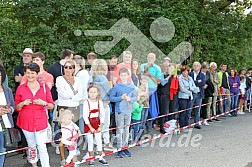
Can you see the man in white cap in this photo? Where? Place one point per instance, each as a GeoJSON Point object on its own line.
{"type": "Point", "coordinates": [165, 65]}
{"type": "Point", "coordinates": [19, 70]}
{"type": "Point", "coordinates": [19, 73]}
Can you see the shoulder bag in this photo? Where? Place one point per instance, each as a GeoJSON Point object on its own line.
{"type": "Point", "coordinates": [11, 136]}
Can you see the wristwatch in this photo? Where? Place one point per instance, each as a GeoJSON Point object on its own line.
{"type": "Point", "coordinates": [46, 104]}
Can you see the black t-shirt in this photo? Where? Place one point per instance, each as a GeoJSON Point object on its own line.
{"type": "Point", "coordinates": [56, 70]}
{"type": "Point", "coordinates": [136, 79]}
{"type": "Point", "coordinates": [20, 69]}
{"type": "Point", "coordinates": [165, 90]}
{"type": "Point", "coordinates": [224, 81]}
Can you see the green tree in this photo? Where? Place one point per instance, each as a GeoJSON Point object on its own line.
{"type": "Point", "coordinates": [218, 30]}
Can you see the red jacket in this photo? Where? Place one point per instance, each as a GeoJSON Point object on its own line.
{"type": "Point", "coordinates": [32, 117]}
{"type": "Point", "coordinates": [174, 87]}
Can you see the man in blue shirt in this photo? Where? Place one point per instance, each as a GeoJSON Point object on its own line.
{"type": "Point", "coordinates": [154, 73]}
{"type": "Point", "coordinates": [199, 80]}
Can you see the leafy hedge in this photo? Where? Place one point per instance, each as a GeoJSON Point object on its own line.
{"type": "Point", "coordinates": [218, 30]}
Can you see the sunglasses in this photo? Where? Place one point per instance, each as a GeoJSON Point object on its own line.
{"type": "Point", "coordinates": [32, 65]}
{"type": "Point", "coordinates": [69, 67]}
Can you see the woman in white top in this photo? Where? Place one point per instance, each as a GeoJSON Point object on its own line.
{"type": "Point", "coordinates": [6, 109]}
{"type": "Point", "coordinates": [70, 94]}
{"type": "Point", "coordinates": [84, 78]}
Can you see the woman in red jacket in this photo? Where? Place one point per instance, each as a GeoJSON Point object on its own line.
{"type": "Point", "coordinates": [32, 101]}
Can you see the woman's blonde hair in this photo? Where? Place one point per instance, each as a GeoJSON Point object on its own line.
{"type": "Point", "coordinates": [73, 63]}
{"type": "Point", "coordinates": [82, 63]}
{"type": "Point", "coordinates": [99, 67]}
{"type": "Point", "coordinates": [213, 64]}
{"type": "Point", "coordinates": [65, 117]}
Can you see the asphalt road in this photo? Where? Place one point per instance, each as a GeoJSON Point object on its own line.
{"type": "Point", "coordinates": [222, 144]}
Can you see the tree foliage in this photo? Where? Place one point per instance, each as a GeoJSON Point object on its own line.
{"type": "Point", "coordinates": [218, 30]}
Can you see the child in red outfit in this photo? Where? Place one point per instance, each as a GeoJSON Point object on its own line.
{"type": "Point", "coordinates": [94, 116]}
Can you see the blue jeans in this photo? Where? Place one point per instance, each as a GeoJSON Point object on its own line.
{"type": "Point", "coordinates": [134, 130]}
{"type": "Point", "coordinates": [226, 101]}
{"type": "Point", "coordinates": [173, 108]}
{"type": "Point", "coordinates": [122, 131]}
{"type": "Point", "coordinates": [184, 117]}
{"type": "Point", "coordinates": [144, 116]}
{"type": "Point", "coordinates": [197, 100]}
{"type": "Point", "coordinates": [234, 102]}
{"type": "Point", "coordinates": [176, 107]}
{"type": "Point", "coordinates": [81, 120]}
{"type": "Point", "coordinates": [56, 131]}
{"type": "Point", "coordinates": [2, 149]}
{"type": "Point", "coordinates": [149, 123]}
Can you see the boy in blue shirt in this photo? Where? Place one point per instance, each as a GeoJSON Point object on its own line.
{"type": "Point", "coordinates": [123, 94]}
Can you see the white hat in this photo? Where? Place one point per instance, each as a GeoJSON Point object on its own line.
{"type": "Point", "coordinates": [26, 51]}
{"type": "Point", "coordinates": [167, 58]}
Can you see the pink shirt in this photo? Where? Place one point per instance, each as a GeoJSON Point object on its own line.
{"type": "Point", "coordinates": [44, 77]}
{"type": "Point", "coordinates": [116, 71]}
{"type": "Point", "coordinates": [32, 117]}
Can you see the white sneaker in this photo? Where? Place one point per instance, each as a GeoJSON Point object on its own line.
{"type": "Point", "coordinates": [77, 152]}
{"type": "Point", "coordinates": [86, 156]}
{"type": "Point", "coordinates": [206, 123]}
{"type": "Point", "coordinates": [57, 151]}
{"type": "Point", "coordinates": [240, 112]}
{"type": "Point", "coordinates": [76, 165]}
{"type": "Point", "coordinates": [108, 147]}
{"type": "Point", "coordinates": [63, 162]}
{"type": "Point", "coordinates": [186, 130]}
{"type": "Point", "coordinates": [199, 123]}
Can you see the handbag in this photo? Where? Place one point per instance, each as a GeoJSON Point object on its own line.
{"type": "Point", "coordinates": [11, 136]}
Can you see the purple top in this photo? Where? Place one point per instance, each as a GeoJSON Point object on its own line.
{"type": "Point", "coordinates": [232, 80]}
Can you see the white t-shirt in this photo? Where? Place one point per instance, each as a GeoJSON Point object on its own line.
{"type": "Point", "coordinates": [93, 105]}
{"type": "Point", "coordinates": [243, 87]}
{"type": "Point", "coordinates": [5, 116]}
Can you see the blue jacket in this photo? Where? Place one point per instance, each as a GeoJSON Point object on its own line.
{"type": "Point", "coordinates": [185, 93]}
{"type": "Point", "coordinates": [9, 100]}
{"type": "Point", "coordinates": [121, 106]}
{"type": "Point", "coordinates": [200, 85]}
{"type": "Point", "coordinates": [104, 87]}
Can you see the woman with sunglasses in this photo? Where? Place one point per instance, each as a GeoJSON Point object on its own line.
{"type": "Point", "coordinates": [84, 76]}
{"type": "Point", "coordinates": [70, 94]}
{"type": "Point", "coordinates": [32, 101]}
